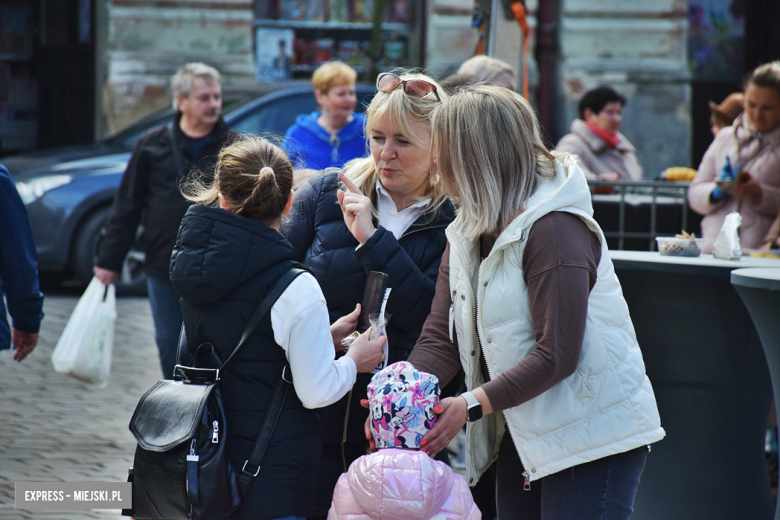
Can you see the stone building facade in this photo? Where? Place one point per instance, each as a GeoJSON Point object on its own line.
{"type": "Point", "coordinates": [146, 41]}
{"type": "Point", "coordinates": [641, 48]}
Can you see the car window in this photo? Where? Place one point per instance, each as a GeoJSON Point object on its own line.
{"type": "Point", "coordinates": [128, 136]}
{"type": "Point", "coordinates": [276, 116]}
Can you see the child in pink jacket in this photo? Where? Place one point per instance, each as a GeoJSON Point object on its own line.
{"type": "Point", "coordinates": [400, 482]}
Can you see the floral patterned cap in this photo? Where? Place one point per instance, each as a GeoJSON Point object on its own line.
{"type": "Point", "coordinates": [402, 401]}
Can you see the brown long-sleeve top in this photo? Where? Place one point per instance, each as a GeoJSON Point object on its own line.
{"type": "Point", "coordinates": [559, 267]}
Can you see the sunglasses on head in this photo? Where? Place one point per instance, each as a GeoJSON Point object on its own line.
{"type": "Point", "coordinates": [415, 88]}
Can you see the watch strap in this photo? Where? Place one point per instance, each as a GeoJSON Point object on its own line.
{"type": "Point", "coordinates": [471, 400]}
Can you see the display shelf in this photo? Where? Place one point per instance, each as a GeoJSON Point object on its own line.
{"type": "Point", "coordinates": [335, 26]}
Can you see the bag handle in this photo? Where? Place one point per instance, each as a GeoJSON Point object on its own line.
{"type": "Point", "coordinates": [252, 465]}
{"type": "Point", "coordinates": [264, 307]}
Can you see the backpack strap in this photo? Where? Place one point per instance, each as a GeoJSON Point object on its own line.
{"type": "Point", "coordinates": [252, 465]}
{"type": "Point", "coordinates": [264, 307]}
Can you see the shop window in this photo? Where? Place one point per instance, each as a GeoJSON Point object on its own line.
{"type": "Point", "coordinates": [294, 37]}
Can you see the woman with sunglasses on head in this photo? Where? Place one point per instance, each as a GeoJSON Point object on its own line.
{"type": "Point", "coordinates": [528, 304]}
{"type": "Point", "coordinates": [386, 213]}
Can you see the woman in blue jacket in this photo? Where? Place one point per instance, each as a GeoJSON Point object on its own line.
{"type": "Point", "coordinates": [385, 212]}
{"type": "Point", "coordinates": [333, 135]}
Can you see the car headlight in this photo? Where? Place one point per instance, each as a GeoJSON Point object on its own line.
{"type": "Point", "coordinates": [32, 190]}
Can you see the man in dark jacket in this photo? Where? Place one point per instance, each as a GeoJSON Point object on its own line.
{"type": "Point", "coordinates": [161, 161]}
{"type": "Point", "coordinates": [18, 273]}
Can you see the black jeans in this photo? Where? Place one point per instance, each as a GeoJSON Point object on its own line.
{"type": "Point", "coordinates": [602, 489]}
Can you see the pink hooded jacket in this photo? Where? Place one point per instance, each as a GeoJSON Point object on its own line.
{"type": "Point", "coordinates": [399, 484]}
{"type": "Point", "coordinates": [765, 169]}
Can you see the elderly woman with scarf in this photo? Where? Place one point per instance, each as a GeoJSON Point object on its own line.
{"type": "Point", "coordinates": [603, 151]}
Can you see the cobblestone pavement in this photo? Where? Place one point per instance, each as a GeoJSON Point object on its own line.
{"type": "Point", "coordinates": [56, 428]}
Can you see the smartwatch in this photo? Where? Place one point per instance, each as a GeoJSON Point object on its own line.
{"type": "Point", "coordinates": [474, 407]}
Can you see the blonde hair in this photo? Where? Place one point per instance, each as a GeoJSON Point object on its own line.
{"type": "Point", "coordinates": [488, 149]}
{"type": "Point", "coordinates": [766, 76]}
{"type": "Point", "coordinates": [181, 82]}
{"type": "Point", "coordinates": [402, 110]}
{"type": "Point", "coordinates": [486, 68]}
{"type": "Point", "coordinates": [332, 74]}
{"type": "Point", "coordinates": [237, 175]}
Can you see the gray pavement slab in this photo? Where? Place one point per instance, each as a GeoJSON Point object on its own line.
{"type": "Point", "coordinates": [56, 428]}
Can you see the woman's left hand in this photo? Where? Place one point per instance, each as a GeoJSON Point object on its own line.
{"type": "Point", "coordinates": [452, 412]}
{"type": "Point", "coordinates": [344, 326]}
{"type": "Point", "coordinates": [356, 208]}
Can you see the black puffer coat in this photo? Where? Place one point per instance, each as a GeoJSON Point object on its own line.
{"type": "Point", "coordinates": [322, 242]}
{"type": "Point", "coordinates": [222, 267]}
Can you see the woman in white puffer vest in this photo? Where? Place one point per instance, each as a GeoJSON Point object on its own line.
{"type": "Point", "coordinates": [528, 303]}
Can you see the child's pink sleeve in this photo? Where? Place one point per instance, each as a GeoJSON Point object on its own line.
{"type": "Point", "coordinates": [344, 505]}
{"type": "Point", "coordinates": [469, 507]}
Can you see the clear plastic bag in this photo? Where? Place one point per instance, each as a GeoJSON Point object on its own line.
{"type": "Point", "coordinates": [84, 348]}
{"type": "Point", "coordinates": [378, 323]}
{"type": "Point", "coordinates": [726, 244]}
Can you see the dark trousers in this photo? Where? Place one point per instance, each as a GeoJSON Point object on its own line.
{"type": "Point", "coordinates": [603, 489]}
{"type": "Point", "coordinates": [166, 314]}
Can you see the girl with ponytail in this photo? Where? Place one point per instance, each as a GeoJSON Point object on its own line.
{"type": "Point", "coordinates": [228, 255]}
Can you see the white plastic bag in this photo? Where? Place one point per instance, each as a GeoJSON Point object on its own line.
{"type": "Point", "coordinates": [726, 244]}
{"type": "Point", "coordinates": [84, 349]}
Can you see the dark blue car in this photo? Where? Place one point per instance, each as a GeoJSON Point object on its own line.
{"type": "Point", "coordinates": [69, 190]}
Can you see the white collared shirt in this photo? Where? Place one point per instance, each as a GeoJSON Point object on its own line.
{"type": "Point", "coordinates": [397, 222]}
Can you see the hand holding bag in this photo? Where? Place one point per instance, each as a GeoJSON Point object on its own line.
{"type": "Point", "coordinates": [181, 468]}
{"type": "Point", "coordinates": [84, 348]}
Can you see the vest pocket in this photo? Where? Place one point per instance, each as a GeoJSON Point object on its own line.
{"type": "Point", "coordinates": [616, 343]}
{"type": "Point", "coordinates": [580, 387]}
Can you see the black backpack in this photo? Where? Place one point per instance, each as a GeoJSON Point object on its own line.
{"type": "Point", "coordinates": [181, 469]}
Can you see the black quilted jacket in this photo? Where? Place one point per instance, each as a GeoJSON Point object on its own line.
{"type": "Point", "coordinates": [222, 266]}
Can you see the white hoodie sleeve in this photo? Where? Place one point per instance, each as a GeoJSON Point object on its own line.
{"type": "Point", "coordinates": [301, 327]}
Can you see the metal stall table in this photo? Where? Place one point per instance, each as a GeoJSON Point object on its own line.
{"type": "Point", "coordinates": [633, 213]}
{"type": "Point", "coordinates": [760, 291]}
{"type": "Point", "coordinates": [710, 378]}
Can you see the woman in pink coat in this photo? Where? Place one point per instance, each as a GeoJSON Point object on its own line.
{"type": "Point", "coordinates": [400, 482]}
{"type": "Point", "coordinates": [741, 169]}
